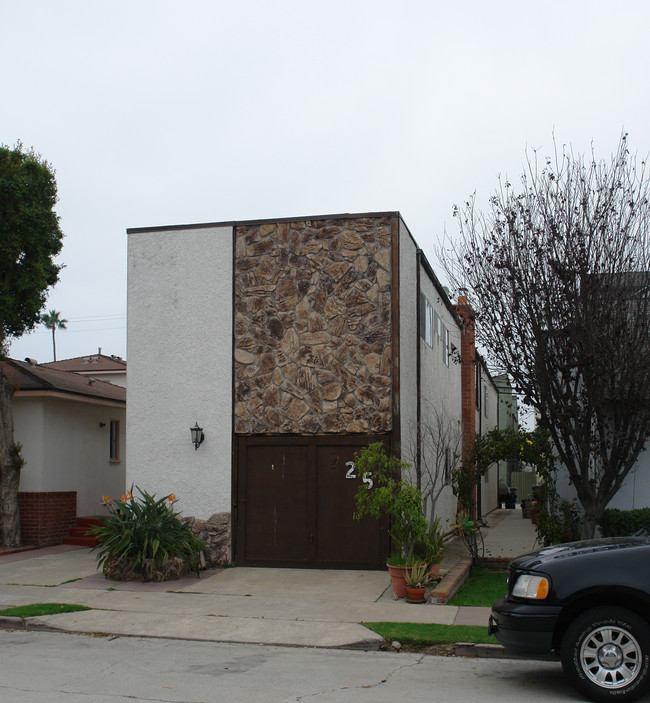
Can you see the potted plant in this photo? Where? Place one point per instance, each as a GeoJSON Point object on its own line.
{"type": "Point", "coordinates": [417, 578]}
{"type": "Point", "coordinates": [534, 512]}
{"type": "Point", "coordinates": [432, 549]}
{"type": "Point", "coordinates": [392, 497]}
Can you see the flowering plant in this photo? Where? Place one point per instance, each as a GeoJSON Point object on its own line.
{"type": "Point", "coordinates": [144, 533]}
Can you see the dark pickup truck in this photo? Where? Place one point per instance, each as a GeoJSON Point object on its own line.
{"type": "Point", "coordinates": [589, 602]}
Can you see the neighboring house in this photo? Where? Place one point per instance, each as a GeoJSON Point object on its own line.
{"type": "Point", "coordinates": [111, 369]}
{"type": "Point", "coordinates": [292, 343]}
{"type": "Point", "coordinates": [72, 431]}
{"type": "Point", "coordinates": [628, 298]}
{"type": "Point", "coordinates": [508, 420]}
{"type": "Point", "coordinates": [487, 418]}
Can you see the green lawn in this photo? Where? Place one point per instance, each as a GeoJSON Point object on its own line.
{"type": "Point", "coordinates": [418, 634]}
{"type": "Point", "coordinates": [482, 588]}
{"type": "Point", "coordinates": [30, 611]}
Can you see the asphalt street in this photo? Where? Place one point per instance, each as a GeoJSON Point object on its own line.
{"type": "Point", "coordinates": [47, 667]}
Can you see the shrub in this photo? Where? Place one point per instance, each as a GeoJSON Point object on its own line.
{"type": "Point", "coordinates": [620, 523]}
{"type": "Point", "coordinates": [559, 521]}
{"type": "Point", "coordinates": [143, 534]}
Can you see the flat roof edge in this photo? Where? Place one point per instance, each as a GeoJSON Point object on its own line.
{"type": "Point", "coordinates": [237, 223]}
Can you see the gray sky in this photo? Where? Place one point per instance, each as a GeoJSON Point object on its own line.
{"type": "Point", "coordinates": [157, 112]}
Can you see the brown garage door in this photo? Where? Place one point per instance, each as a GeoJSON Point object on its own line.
{"type": "Point", "coordinates": [294, 505]}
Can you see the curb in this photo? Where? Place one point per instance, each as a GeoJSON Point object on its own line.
{"type": "Point", "coordinates": [473, 650]}
{"type": "Point", "coordinates": [451, 582]}
{"type": "Point", "coordinates": [12, 623]}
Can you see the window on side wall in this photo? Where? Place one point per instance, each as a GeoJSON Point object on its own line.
{"type": "Point", "coordinates": [445, 346]}
{"type": "Point", "coordinates": [114, 446]}
{"type": "Point", "coordinates": [426, 320]}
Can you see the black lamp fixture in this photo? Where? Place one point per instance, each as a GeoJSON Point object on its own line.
{"type": "Point", "coordinates": [197, 435]}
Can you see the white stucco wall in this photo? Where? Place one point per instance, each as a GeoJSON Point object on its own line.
{"type": "Point", "coordinates": [635, 491]}
{"type": "Point", "coordinates": [117, 379]}
{"type": "Point", "coordinates": [633, 494]}
{"type": "Point", "coordinates": [487, 418]}
{"type": "Point", "coordinates": [179, 341]}
{"type": "Point", "coordinates": [66, 449]}
{"type": "Point", "coordinates": [408, 336]}
{"type": "Point", "coordinates": [440, 390]}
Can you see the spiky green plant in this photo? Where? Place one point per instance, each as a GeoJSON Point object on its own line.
{"type": "Point", "coordinates": [143, 533]}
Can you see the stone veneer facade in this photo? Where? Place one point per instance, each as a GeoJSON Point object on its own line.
{"type": "Point", "coordinates": [313, 327]}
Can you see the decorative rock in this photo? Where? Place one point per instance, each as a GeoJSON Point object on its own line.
{"type": "Point", "coordinates": [297, 408]}
{"type": "Point", "coordinates": [372, 362]}
{"type": "Point", "coordinates": [312, 326]}
{"type": "Point", "coordinates": [314, 338]}
{"type": "Point", "coordinates": [332, 391]}
{"type": "Point", "coordinates": [287, 295]}
{"type": "Point", "coordinates": [290, 343]}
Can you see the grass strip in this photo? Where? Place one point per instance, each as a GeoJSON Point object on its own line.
{"type": "Point", "coordinates": [482, 588]}
{"type": "Point", "coordinates": [35, 609]}
{"type": "Point", "coordinates": [409, 633]}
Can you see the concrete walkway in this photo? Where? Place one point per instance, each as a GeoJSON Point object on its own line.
{"type": "Point", "coordinates": [300, 607]}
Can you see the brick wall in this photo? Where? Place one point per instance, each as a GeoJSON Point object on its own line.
{"type": "Point", "coordinates": [468, 374]}
{"type": "Point", "coordinates": [46, 518]}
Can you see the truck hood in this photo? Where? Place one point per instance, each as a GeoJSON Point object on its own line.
{"type": "Point", "coordinates": [543, 558]}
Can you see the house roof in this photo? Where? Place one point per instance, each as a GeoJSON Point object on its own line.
{"type": "Point", "coordinates": [238, 223]}
{"type": "Point", "coordinates": [34, 378]}
{"type": "Point", "coordinates": [95, 363]}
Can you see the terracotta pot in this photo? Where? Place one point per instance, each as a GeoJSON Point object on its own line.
{"type": "Point", "coordinates": [534, 513]}
{"type": "Point", "coordinates": [415, 595]}
{"type": "Point", "coordinates": [397, 580]}
{"type": "Point", "coordinates": [434, 570]}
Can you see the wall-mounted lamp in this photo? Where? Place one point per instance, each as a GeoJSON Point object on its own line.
{"type": "Point", "coordinates": [197, 435]}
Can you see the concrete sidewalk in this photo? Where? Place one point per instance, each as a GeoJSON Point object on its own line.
{"type": "Point", "coordinates": [299, 607]}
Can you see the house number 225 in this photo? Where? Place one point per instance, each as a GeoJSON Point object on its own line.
{"type": "Point", "coordinates": [350, 473]}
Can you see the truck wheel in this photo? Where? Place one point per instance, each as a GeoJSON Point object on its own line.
{"type": "Point", "coordinates": [606, 654]}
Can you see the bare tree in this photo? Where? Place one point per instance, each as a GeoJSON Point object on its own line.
{"type": "Point", "coordinates": [434, 451]}
{"type": "Point", "coordinates": [560, 277]}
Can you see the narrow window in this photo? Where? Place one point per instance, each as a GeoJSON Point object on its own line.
{"type": "Point", "coordinates": [114, 448]}
{"type": "Point", "coordinates": [426, 320]}
{"type": "Point", "coordinates": [445, 345]}
{"type": "Point", "coordinates": [423, 316]}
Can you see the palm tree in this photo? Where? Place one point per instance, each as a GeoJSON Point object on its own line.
{"type": "Point", "coordinates": [52, 320]}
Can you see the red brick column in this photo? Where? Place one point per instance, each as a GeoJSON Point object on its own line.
{"type": "Point", "coordinates": [467, 373]}
{"type": "Point", "coordinates": [46, 517]}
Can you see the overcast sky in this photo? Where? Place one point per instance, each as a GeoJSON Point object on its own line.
{"type": "Point", "coordinates": [157, 113]}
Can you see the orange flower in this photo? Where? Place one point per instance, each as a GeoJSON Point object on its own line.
{"type": "Point", "coordinates": [106, 499]}
{"type": "Point", "coordinates": [172, 498]}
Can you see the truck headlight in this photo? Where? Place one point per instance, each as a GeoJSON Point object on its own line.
{"type": "Point", "coordinates": [530, 586]}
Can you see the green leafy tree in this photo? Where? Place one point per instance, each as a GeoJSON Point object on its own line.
{"type": "Point", "coordinates": [52, 320]}
{"type": "Point", "coordinates": [558, 270]}
{"type": "Point", "coordinates": [394, 498]}
{"type": "Point", "coordinates": [30, 238]}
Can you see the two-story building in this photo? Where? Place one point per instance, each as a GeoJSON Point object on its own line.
{"type": "Point", "coordinates": [291, 343]}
